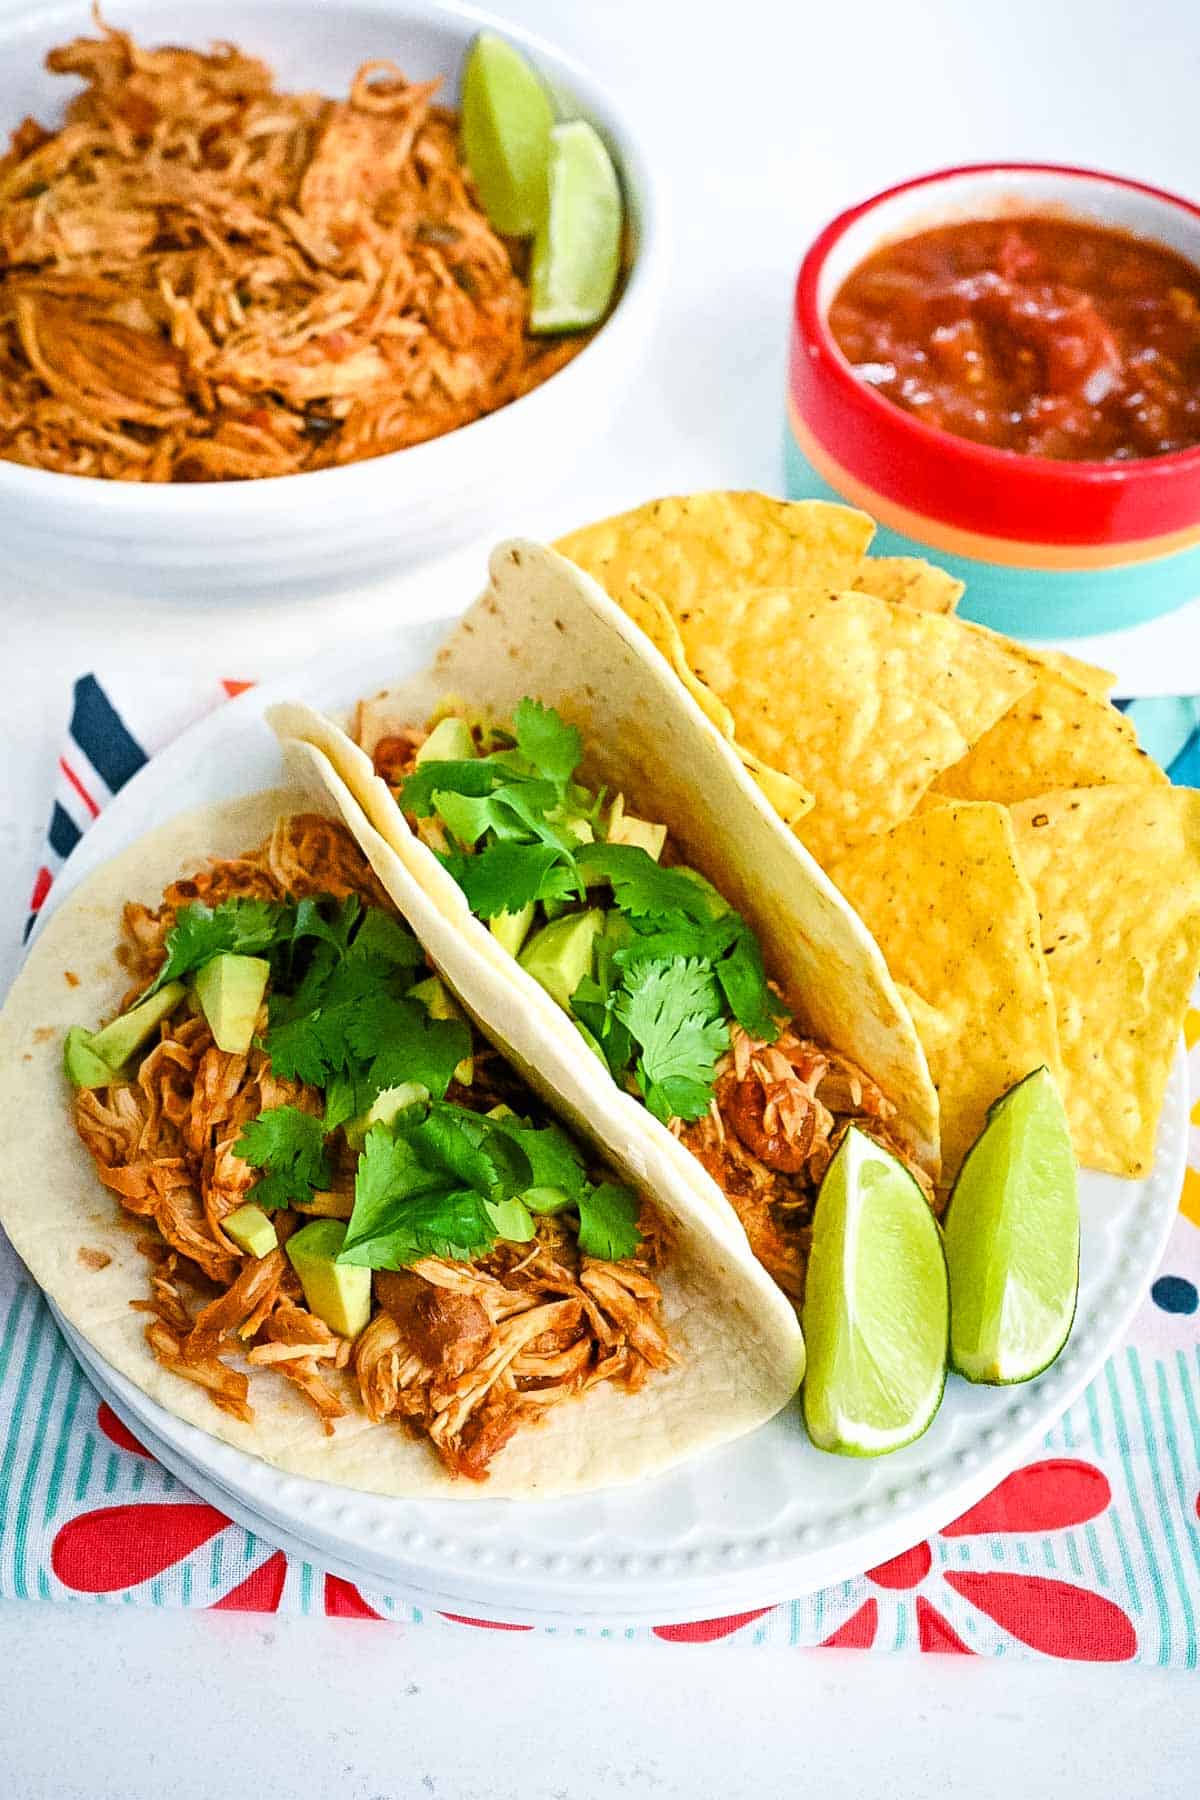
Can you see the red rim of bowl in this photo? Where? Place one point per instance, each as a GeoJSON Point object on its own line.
{"type": "Point", "coordinates": [1153, 486]}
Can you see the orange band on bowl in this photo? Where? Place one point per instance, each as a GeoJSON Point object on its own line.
{"type": "Point", "coordinates": [956, 542]}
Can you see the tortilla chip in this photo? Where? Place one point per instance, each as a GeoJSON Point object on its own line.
{"type": "Point", "coordinates": [690, 545]}
{"type": "Point", "coordinates": [948, 904]}
{"type": "Point", "coordinates": [1055, 736]}
{"type": "Point", "coordinates": [862, 702]}
{"type": "Point", "coordinates": [910, 581]}
{"type": "Point", "coordinates": [1116, 872]}
{"type": "Point", "coordinates": [1084, 675]}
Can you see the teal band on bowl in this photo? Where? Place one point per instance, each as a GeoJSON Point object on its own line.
{"type": "Point", "coordinates": [1029, 603]}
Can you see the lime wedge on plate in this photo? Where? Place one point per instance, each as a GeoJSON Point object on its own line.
{"type": "Point", "coordinates": [577, 250]}
{"type": "Point", "coordinates": [876, 1306]}
{"type": "Point", "coordinates": [505, 120]}
{"type": "Point", "coordinates": [1012, 1238]}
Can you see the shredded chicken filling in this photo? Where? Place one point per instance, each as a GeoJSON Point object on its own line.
{"type": "Point", "coordinates": [202, 278]}
{"type": "Point", "coordinates": [464, 1354]}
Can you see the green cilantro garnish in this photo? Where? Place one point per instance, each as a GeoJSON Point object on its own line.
{"type": "Point", "coordinates": [289, 1146]}
{"type": "Point", "coordinates": [675, 962]}
{"type": "Point", "coordinates": [608, 1222]}
{"type": "Point", "coordinates": [201, 932]}
{"type": "Point", "coordinates": [442, 1181]}
{"type": "Point", "coordinates": [506, 877]}
{"type": "Point", "coordinates": [554, 749]}
{"type": "Point", "coordinates": [673, 1014]}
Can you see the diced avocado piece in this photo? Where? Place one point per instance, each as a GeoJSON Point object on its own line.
{"type": "Point", "coordinates": [251, 1230]}
{"type": "Point", "coordinates": [718, 905]}
{"type": "Point", "coordinates": [339, 1293]}
{"type": "Point", "coordinates": [546, 1199]}
{"type": "Point", "coordinates": [627, 828]}
{"type": "Point", "coordinates": [500, 1112]}
{"type": "Point", "coordinates": [440, 1003]}
{"type": "Point", "coordinates": [230, 990]}
{"type": "Point", "coordinates": [117, 1042]}
{"type": "Point", "coordinates": [511, 929]}
{"type": "Point", "coordinates": [84, 1069]}
{"type": "Point", "coordinates": [560, 954]}
{"type": "Point", "coordinates": [581, 830]}
{"type": "Point", "coordinates": [383, 1109]}
{"type": "Point", "coordinates": [449, 741]}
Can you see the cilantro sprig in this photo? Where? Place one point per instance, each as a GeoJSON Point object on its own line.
{"type": "Point", "coordinates": [289, 1146]}
{"type": "Point", "coordinates": [675, 963]}
{"type": "Point", "coordinates": [442, 1181]}
{"type": "Point", "coordinates": [348, 1026]}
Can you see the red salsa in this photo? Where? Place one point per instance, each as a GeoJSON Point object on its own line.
{"type": "Point", "coordinates": [1041, 335]}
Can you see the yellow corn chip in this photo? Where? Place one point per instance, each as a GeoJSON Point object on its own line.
{"type": "Point", "coordinates": [790, 800]}
{"type": "Point", "coordinates": [861, 702]}
{"type": "Point", "coordinates": [688, 545]}
{"type": "Point", "coordinates": [1083, 675]}
{"type": "Point", "coordinates": [1055, 736]}
{"type": "Point", "coordinates": [955, 918]}
{"type": "Point", "coordinates": [1116, 872]}
{"type": "Point", "coordinates": [911, 582]}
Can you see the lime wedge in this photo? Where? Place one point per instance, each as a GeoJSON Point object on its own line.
{"type": "Point", "coordinates": [876, 1306]}
{"type": "Point", "coordinates": [1012, 1238]}
{"type": "Point", "coordinates": [577, 250]}
{"type": "Point", "coordinates": [505, 121]}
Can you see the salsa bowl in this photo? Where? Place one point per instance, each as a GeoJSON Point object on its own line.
{"type": "Point", "coordinates": [284, 535]}
{"type": "Point", "coordinates": [1047, 547]}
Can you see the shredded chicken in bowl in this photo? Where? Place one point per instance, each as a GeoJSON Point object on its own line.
{"type": "Point", "coordinates": [203, 278]}
{"type": "Point", "coordinates": [463, 1352]}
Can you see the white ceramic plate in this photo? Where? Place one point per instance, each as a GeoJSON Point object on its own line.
{"type": "Point", "coordinates": [759, 1521]}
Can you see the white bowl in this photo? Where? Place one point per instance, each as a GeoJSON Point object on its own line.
{"type": "Point", "coordinates": [331, 527]}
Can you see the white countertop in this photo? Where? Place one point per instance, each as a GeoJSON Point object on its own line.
{"type": "Point", "coordinates": [770, 115]}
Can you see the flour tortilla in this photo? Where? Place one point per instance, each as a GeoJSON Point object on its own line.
{"type": "Point", "coordinates": [741, 1350]}
{"type": "Point", "coordinates": [544, 628]}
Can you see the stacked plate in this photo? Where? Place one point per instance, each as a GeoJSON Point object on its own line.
{"type": "Point", "coordinates": [760, 1521]}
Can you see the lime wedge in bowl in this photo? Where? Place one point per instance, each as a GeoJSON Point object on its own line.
{"type": "Point", "coordinates": [876, 1306]}
{"type": "Point", "coordinates": [577, 250]}
{"type": "Point", "coordinates": [505, 120]}
{"type": "Point", "coordinates": [1012, 1238]}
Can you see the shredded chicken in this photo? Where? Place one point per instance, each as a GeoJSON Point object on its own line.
{"type": "Point", "coordinates": [474, 1351]}
{"type": "Point", "coordinates": [202, 278]}
{"type": "Point", "coordinates": [464, 1353]}
{"type": "Point", "coordinates": [778, 1115]}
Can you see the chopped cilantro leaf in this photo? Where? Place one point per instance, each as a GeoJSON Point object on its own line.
{"type": "Point", "coordinates": [422, 1049]}
{"type": "Point", "coordinates": [673, 1013]}
{"type": "Point", "coordinates": [476, 778]}
{"type": "Point", "coordinates": [553, 1159]}
{"type": "Point", "coordinates": [744, 983]}
{"type": "Point", "coordinates": [554, 749]}
{"type": "Point", "coordinates": [289, 1145]}
{"type": "Point", "coordinates": [383, 936]}
{"type": "Point", "coordinates": [506, 877]}
{"type": "Point", "coordinates": [641, 887]}
{"type": "Point", "coordinates": [200, 932]}
{"type": "Point", "coordinates": [608, 1222]}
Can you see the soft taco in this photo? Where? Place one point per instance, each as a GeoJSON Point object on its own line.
{"type": "Point", "coordinates": [261, 1156]}
{"type": "Point", "coordinates": [553, 790]}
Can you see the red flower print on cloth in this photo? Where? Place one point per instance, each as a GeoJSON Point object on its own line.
{"type": "Point", "coordinates": [1055, 1617]}
{"type": "Point", "coordinates": [109, 1549]}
